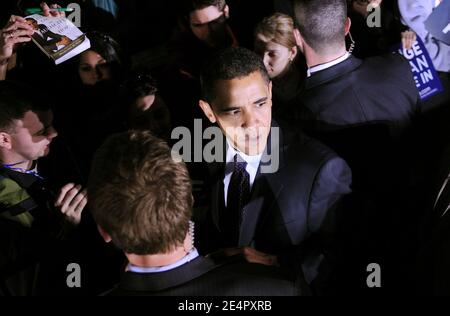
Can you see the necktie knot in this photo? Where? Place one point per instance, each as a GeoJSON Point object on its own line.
{"type": "Point", "coordinates": [239, 164]}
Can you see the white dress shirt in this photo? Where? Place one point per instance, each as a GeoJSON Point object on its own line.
{"type": "Point", "coordinates": [188, 258]}
{"type": "Point", "coordinates": [330, 64]}
{"type": "Point", "coordinates": [252, 167]}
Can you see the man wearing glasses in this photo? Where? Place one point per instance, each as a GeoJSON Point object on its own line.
{"type": "Point", "coordinates": [204, 29]}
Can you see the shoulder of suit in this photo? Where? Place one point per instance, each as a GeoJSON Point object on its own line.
{"type": "Point", "coordinates": [307, 147]}
{"type": "Point", "coordinates": [392, 62]}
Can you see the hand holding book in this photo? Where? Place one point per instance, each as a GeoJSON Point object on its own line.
{"type": "Point", "coordinates": [16, 31]}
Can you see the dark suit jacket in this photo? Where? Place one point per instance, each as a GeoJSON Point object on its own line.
{"type": "Point", "coordinates": [208, 277]}
{"type": "Point", "coordinates": [355, 92]}
{"type": "Point", "coordinates": [434, 257]}
{"type": "Point", "coordinates": [289, 208]}
{"type": "Point", "coordinates": [364, 110]}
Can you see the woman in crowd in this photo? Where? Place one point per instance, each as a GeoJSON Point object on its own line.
{"type": "Point", "coordinates": [93, 112]}
{"type": "Point", "coordinates": [103, 61]}
{"type": "Point", "coordinates": [275, 43]}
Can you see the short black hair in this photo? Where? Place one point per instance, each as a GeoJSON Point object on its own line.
{"type": "Point", "coordinates": [16, 99]}
{"type": "Point", "coordinates": [321, 23]}
{"type": "Point", "coordinates": [229, 64]}
{"type": "Point", "coordinates": [139, 85]}
{"type": "Point", "coordinates": [189, 6]}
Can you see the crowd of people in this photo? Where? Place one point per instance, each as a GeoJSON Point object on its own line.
{"type": "Point", "coordinates": [330, 161]}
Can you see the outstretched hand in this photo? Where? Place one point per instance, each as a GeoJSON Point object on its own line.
{"type": "Point", "coordinates": [253, 256]}
{"type": "Point", "coordinates": [71, 202]}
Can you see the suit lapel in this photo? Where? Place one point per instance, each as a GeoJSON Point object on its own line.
{"type": "Point", "coordinates": [217, 172]}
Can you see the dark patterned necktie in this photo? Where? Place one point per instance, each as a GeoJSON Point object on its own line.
{"type": "Point", "coordinates": [237, 199]}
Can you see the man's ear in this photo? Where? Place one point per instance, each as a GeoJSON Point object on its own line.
{"type": "Point", "coordinates": [348, 25]}
{"type": "Point", "coordinates": [106, 237]}
{"type": "Point", "coordinates": [226, 11]}
{"type": "Point", "coordinates": [5, 141]}
{"type": "Point", "coordinates": [208, 111]}
{"type": "Point", "coordinates": [299, 40]}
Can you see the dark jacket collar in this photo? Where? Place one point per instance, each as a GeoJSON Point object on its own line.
{"type": "Point", "coordinates": [157, 282]}
{"type": "Point", "coordinates": [336, 71]}
{"type": "Point", "coordinates": [22, 179]}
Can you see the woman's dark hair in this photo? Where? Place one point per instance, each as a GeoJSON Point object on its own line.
{"type": "Point", "coordinates": [138, 85]}
{"type": "Point", "coordinates": [107, 47]}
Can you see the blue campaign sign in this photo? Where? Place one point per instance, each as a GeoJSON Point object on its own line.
{"type": "Point", "coordinates": [424, 73]}
{"type": "Point", "coordinates": [438, 23]}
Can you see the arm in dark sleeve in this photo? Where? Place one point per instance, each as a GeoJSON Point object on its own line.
{"type": "Point", "coordinates": [332, 183]}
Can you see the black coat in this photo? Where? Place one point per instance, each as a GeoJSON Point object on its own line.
{"type": "Point", "coordinates": [208, 277]}
{"type": "Point", "coordinates": [356, 92]}
{"type": "Point", "coordinates": [291, 211]}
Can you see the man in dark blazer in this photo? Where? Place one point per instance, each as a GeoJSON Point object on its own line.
{"type": "Point", "coordinates": [142, 201]}
{"type": "Point", "coordinates": [364, 110]}
{"type": "Point", "coordinates": [341, 90]}
{"type": "Point", "coordinates": [274, 194]}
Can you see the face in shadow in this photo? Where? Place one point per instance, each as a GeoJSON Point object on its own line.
{"type": "Point", "coordinates": [210, 26]}
{"type": "Point", "coordinates": [93, 68]}
{"type": "Point", "coordinates": [151, 113]}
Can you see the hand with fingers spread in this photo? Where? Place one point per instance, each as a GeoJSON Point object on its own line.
{"type": "Point", "coordinates": [16, 31]}
{"type": "Point", "coordinates": [408, 39]}
{"type": "Point", "coordinates": [71, 202]}
{"type": "Point", "coordinates": [252, 256]}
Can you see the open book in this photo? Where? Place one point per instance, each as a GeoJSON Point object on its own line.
{"type": "Point", "coordinates": [57, 37]}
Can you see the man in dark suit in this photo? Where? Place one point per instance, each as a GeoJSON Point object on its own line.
{"type": "Point", "coordinates": [273, 193]}
{"type": "Point", "coordinates": [345, 98]}
{"type": "Point", "coordinates": [341, 90]}
{"type": "Point", "coordinates": [142, 201]}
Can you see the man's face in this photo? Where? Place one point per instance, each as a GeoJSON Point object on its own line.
{"type": "Point", "coordinates": [32, 135]}
{"type": "Point", "coordinates": [33, 24]}
{"type": "Point", "coordinates": [209, 25]}
{"type": "Point", "coordinates": [243, 110]}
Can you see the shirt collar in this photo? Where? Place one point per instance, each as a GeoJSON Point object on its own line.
{"type": "Point", "coordinates": [188, 258]}
{"type": "Point", "coordinates": [330, 64]}
{"type": "Point", "coordinates": [252, 161]}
